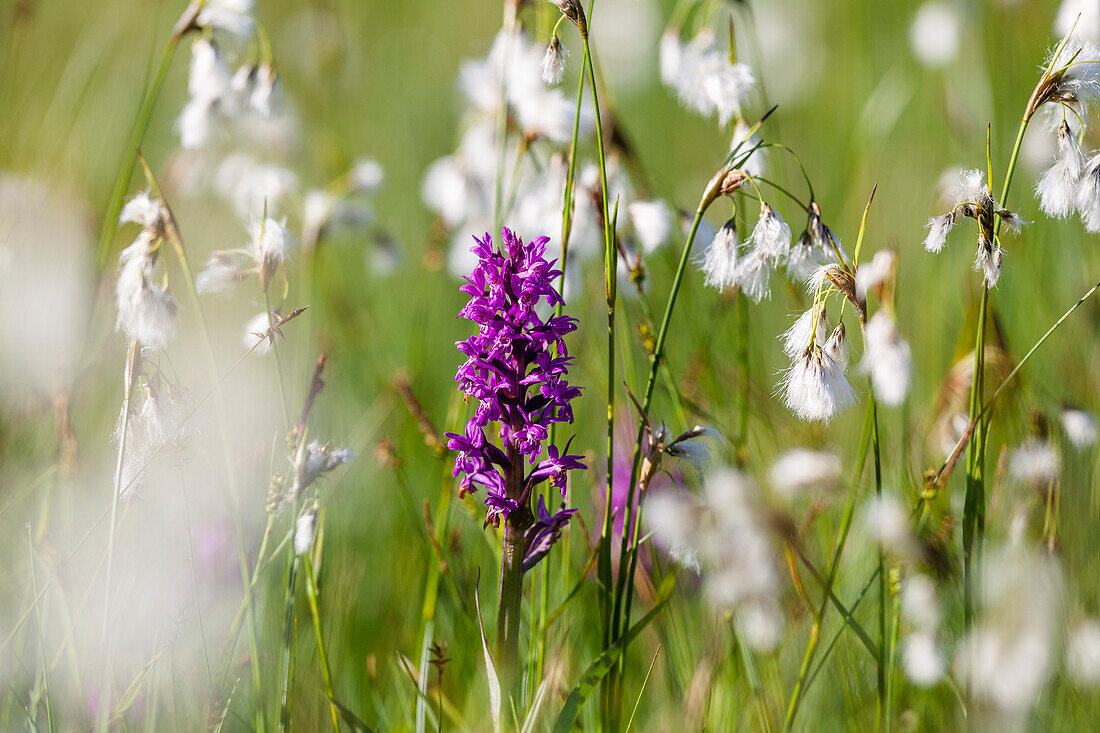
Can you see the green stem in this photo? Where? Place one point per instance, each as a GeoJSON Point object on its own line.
{"type": "Point", "coordinates": [880, 660]}
{"type": "Point", "coordinates": [133, 143]}
{"type": "Point", "coordinates": [801, 685]}
{"type": "Point", "coordinates": [311, 594]}
{"type": "Point", "coordinates": [288, 641]}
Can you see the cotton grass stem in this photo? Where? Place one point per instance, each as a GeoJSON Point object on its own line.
{"type": "Point", "coordinates": [322, 653]}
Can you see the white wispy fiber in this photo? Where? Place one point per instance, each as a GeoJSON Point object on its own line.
{"type": "Point", "coordinates": [887, 524]}
{"type": "Point", "coordinates": [836, 346]}
{"type": "Point", "coordinates": [989, 261]}
{"type": "Point", "coordinates": [304, 530]}
{"type": "Point", "coordinates": [252, 186]}
{"type": "Point", "coordinates": [146, 309]}
{"type": "Point", "coordinates": [231, 16]}
{"type": "Point", "coordinates": [255, 333]}
{"type": "Point", "coordinates": [553, 62]}
{"type": "Point", "coordinates": [802, 469]}
{"type": "Point", "coordinates": [920, 606]}
{"type": "Point", "coordinates": [871, 275]}
{"type": "Point", "coordinates": [935, 32]}
{"type": "Point", "coordinates": [1035, 462]}
{"type": "Point", "coordinates": [1080, 427]}
{"type": "Point", "coordinates": [887, 359]}
{"type": "Point", "coordinates": [804, 258]}
{"type": "Point", "coordinates": [810, 328]}
{"type": "Point", "coordinates": [726, 535]}
{"type": "Point", "coordinates": [1007, 656]}
{"type": "Point", "coordinates": [652, 222]}
{"type": "Point", "coordinates": [223, 270]}
{"type": "Point", "coordinates": [270, 244]}
{"type": "Point", "coordinates": [674, 521]}
{"type": "Point", "coordinates": [703, 77]}
{"type": "Point", "coordinates": [1083, 653]}
{"type": "Point", "coordinates": [209, 83]}
{"type": "Point", "coordinates": [753, 274]}
{"type": "Point", "coordinates": [938, 228]}
{"type": "Point", "coordinates": [142, 209]}
{"type": "Point", "coordinates": [1075, 75]}
{"type": "Point", "coordinates": [1057, 186]}
{"type": "Point", "coordinates": [771, 235]}
{"type": "Point", "coordinates": [969, 186]}
{"type": "Point", "coordinates": [720, 261]}
{"type": "Point", "coordinates": [1087, 199]}
{"type": "Point", "coordinates": [815, 387]}
{"type": "Point", "coordinates": [922, 659]}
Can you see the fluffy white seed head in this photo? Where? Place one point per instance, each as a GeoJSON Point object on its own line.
{"type": "Point", "coordinates": [146, 310]}
{"type": "Point", "coordinates": [871, 275]}
{"type": "Point", "coordinates": [145, 211]}
{"type": "Point", "coordinates": [969, 186]}
{"type": "Point", "coordinates": [812, 327]}
{"type": "Point", "coordinates": [1083, 653]}
{"type": "Point", "coordinates": [703, 77]}
{"type": "Point", "coordinates": [887, 523]}
{"type": "Point", "coordinates": [753, 274]}
{"type": "Point", "coordinates": [366, 177]}
{"type": "Point", "coordinates": [304, 530]}
{"type": "Point", "coordinates": [1057, 186]}
{"type": "Point", "coordinates": [270, 244]}
{"type": "Point", "coordinates": [209, 77]}
{"type": "Point", "coordinates": [771, 235]}
{"type": "Point", "coordinates": [801, 469]}
{"type": "Point", "coordinates": [720, 261]}
{"type": "Point", "coordinates": [887, 359]}
{"type": "Point", "coordinates": [988, 262]}
{"type": "Point", "coordinates": [1080, 427]}
{"type": "Point", "coordinates": [919, 603]}
{"type": "Point", "coordinates": [938, 229]}
{"type": "Point", "coordinates": [935, 33]}
{"type": "Point", "coordinates": [836, 346]}
{"type": "Point", "coordinates": [230, 16]}
{"type": "Point", "coordinates": [1035, 462]}
{"type": "Point", "coordinates": [223, 271]}
{"type": "Point", "coordinates": [815, 387]}
{"type": "Point", "coordinates": [1087, 199]}
{"type": "Point", "coordinates": [553, 62]}
{"type": "Point", "coordinates": [922, 660]}
{"type": "Point", "coordinates": [652, 222]}
{"type": "Point", "coordinates": [675, 523]}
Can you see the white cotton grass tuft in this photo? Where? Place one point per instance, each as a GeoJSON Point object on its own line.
{"type": "Point", "coordinates": [553, 62]}
{"type": "Point", "coordinates": [652, 222]}
{"type": "Point", "coordinates": [922, 660]}
{"type": "Point", "coordinates": [938, 229]}
{"type": "Point", "coordinates": [920, 606]}
{"type": "Point", "coordinates": [753, 274]}
{"type": "Point", "coordinates": [255, 333]}
{"type": "Point", "coordinates": [1087, 199]}
{"type": "Point", "coordinates": [809, 328]}
{"type": "Point", "coordinates": [887, 359]}
{"type": "Point", "coordinates": [872, 275]}
{"type": "Point", "coordinates": [252, 186]}
{"type": "Point", "coordinates": [146, 309]}
{"type": "Point", "coordinates": [366, 177]}
{"type": "Point", "coordinates": [674, 521]}
{"type": "Point", "coordinates": [270, 243]}
{"type": "Point", "coordinates": [144, 210]}
{"type": "Point", "coordinates": [1057, 187]}
{"type": "Point", "coordinates": [1035, 462]}
{"type": "Point", "coordinates": [304, 530]}
{"type": "Point", "coordinates": [887, 524]}
{"type": "Point", "coordinates": [801, 470]}
{"type": "Point", "coordinates": [815, 388]}
{"type": "Point", "coordinates": [318, 459]}
{"type": "Point", "coordinates": [968, 186]}
{"type": "Point", "coordinates": [230, 16]}
{"type": "Point", "coordinates": [771, 235]}
{"type": "Point", "coordinates": [1080, 427]}
{"type": "Point", "coordinates": [1007, 656]}
{"type": "Point", "coordinates": [935, 33]}
{"type": "Point", "coordinates": [1083, 653]}
{"type": "Point", "coordinates": [989, 261]}
{"type": "Point", "coordinates": [719, 264]}
{"type": "Point", "coordinates": [703, 77]}
{"type": "Point", "coordinates": [836, 346]}
{"type": "Point", "coordinates": [209, 83]}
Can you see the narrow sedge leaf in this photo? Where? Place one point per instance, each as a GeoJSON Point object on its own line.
{"type": "Point", "coordinates": [490, 670]}
{"type": "Point", "coordinates": [603, 664]}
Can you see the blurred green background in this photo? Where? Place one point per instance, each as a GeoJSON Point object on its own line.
{"type": "Point", "coordinates": [378, 79]}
